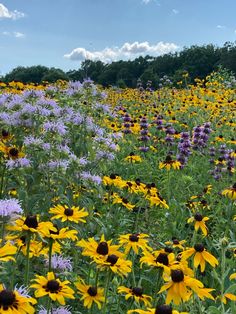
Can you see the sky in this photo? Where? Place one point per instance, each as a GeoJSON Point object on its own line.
{"type": "Point", "coordinates": [63, 33]}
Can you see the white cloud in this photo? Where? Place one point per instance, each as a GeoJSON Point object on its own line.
{"type": "Point", "coordinates": [14, 34]}
{"type": "Point", "coordinates": [125, 52]}
{"type": "Point", "coordinates": [5, 13]}
{"type": "Point", "coordinates": [18, 34]}
{"type": "Point", "coordinates": [146, 1]}
{"type": "Point", "coordinates": [220, 26]}
{"type": "Point", "coordinates": [175, 11]}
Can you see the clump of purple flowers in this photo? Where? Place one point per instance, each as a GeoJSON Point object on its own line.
{"type": "Point", "coordinates": [184, 148]}
{"type": "Point", "coordinates": [201, 136]}
{"type": "Point", "coordinates": [10, 208]}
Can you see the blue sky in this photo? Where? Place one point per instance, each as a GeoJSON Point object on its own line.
{"type": "Point", "coordinates": [62, 33]}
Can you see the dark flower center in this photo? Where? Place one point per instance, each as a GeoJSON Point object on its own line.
{"type": "Point", "coordinates": [131, 154]}
{"type": "Point", "coordinates": [177, 275]}
{"type": "Point", "coordinates": [102, 248]}
{"type": "Point", "coordinates": [112, 176]}
{"type": "Point", "coordinates": [134, 237]}
{"type": "Point", "coordinates": [137, 291]}
{"type": "Point", "coordinates": [31, 222]}
{"type": "Point", "coordinates": [5, 133]}
{"type": "Point", "coordinates": [53, 286]}
{"type": "Point", "coordinates": [234, 186]}
{"type": "Point", "coordinates": [175, 241]}
{"type": "Point", "coordinates": [163, 309]}
{"type": "Point", "coordinates": [125, 201]}
{"type": "Point", "coordinates": [162, 258]}
{"type": "Point", "coordinates": [198, 217]}
{"type": "Point", "coordinates": [13, 152]}
{"type": "Point", "coordinates": [168, 249]}
{"type": "Point", "coordinates": [199, 247]}
{"type": "Point", "coordinates": [7, 298]}
{"type": "Point", "coordinates": [168, 159]}
{"type": "Point", "coordinates": [92, 291]}
{"type": "Point", "coordinates": [112, 259]}
{"type": "Point", "coordinates": [68, 212]}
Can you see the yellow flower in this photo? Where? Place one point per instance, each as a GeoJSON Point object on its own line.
{"type": "Point", "coordinates": [230, 296]}
{"type": "Point", "coordinates": [12, 301]}
{"type": "Point", "coordinates": [180, 287]}
{"type": "Point", "coordinates": [52, 287]}
{"type": "Point", "coordinates": [201, 256]}
{"type": "Point", "coordinates": [100, 249]}
{"type": "Point", "coordinates": [6, 252]}
{"type": "Point", "coordinates": [199, 222]}
{"type": "Point", "coordinates": [53, 232]}
{"type": "Point", "coordinates": [136, 293]}
{"type": "Point", "coordinates": [65, 213]}
{"type": "Point", "coordinates": [116, 264]}
{"type": "Point", "coordinates": [133, 158]}
{"type": "Point", "coordinates": [232, 276]}
{"type": "Point", "coordinates": [169, 163]}
{"type": "Point", "coordinates": [158, 259]}
{"type": "Point", "coordinates": [175, 243]}
{"type": "Point", "coordinates": [90, 294]}
{"type": "Point", "coordinates": [230, 192]}
{"type": "Point", "coordinates": [123, 201]}
{"type": "Point", "coordinates": [160, 309]}
{"type": "Point", "coordinates": [134, 241]}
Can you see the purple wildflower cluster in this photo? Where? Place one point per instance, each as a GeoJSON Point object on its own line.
{"type": "Point", "coordinates": [184, 148]}
{"type": "Point", "coordinates": [201, 136]}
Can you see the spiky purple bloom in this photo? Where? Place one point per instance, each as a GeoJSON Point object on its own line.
{"type": "Point", "coordinates": [59, 310]}
{"type": "Point", "coordinates": [18, 163]}
{"type": "Point", "coordinates": [60, 263]}
{"type": "Point", "coordinates": [10, 207]}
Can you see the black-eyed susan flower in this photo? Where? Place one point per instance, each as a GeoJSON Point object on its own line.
{"type": "Point", "coordinates": [232, 276]}
{"type": "Point", "coordinates": [90, 294]}
{"type": "Point", "coordinates": [100, 249]}
{"type": "Point", "coordinates": [228, 296]}
{"type": "Point", "coordinates": [230, 192]}
{"type": "Point", "coordinates": [160, 309]}
{"type": "Point", "coordinates": [124, 201]}
{"type": "Point", "coordinates": [201, 256]}
{"type": "Point", "coordinates": [12, 301]}
{"type": "Point", "coordinates": [116, 264]}
{"type": "Point", "coordinates": [56, 289]}
{"type": "Point", "coordinates": [199, 222]}
{"type": "Point", "coordinates": [169, 163]}
{"type": "Point", "coordinates": [159, 258]}
{"type": "Point", "coordinates": [132, 158]}
{"type": "Point", "coordinates": [65, 213]}
{"type": "Point", "coordinates": [180, 287]}
{"type": "Point", "coordinates": [7, 251]}
{"type": "Point", "coordinates": [134, 241]}
{"type": "Point", "coordinates": [115, 180]}
{"type": "Point", "coordinates": [54, 233]}
{"type": "Point", "coordinates": [135, 293]}
{"type": "Point", "coordinates": [175, 243]}
{"type": "Point", "coordinates": [31, 224]}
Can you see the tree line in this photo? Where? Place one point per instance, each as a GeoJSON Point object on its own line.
{"type": "Point", "coordinates": [197, 61]}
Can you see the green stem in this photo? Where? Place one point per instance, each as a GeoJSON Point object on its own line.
{"type": "Point", "coordinates": [222, 276]}
{"type": "Point", "coordinates": [2, 181]}
{"type": "Point", "coordinates": [49, 305]}
{"type": "Point", "coordinates": [50, 255]}
{"type": "Point", "coordinates": [106, 290]}
{"type": "Point", "coordinates": [27, 259]}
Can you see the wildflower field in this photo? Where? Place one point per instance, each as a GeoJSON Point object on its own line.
{"type": "Point", "coordinates": [118, 201]}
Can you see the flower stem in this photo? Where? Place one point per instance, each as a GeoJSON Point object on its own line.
{"type": "Point", "coordinates": [27, 259]}
{"type": "Point", "coordinates": [50, 255]}
{"type": "Point", "coordinates": [106, 290]}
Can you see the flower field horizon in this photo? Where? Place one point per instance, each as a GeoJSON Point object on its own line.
{"type": "Point", "coordinates": [118, 200]}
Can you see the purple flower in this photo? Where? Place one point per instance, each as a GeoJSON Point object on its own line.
{"type": "Point", "coordinates": [9, 207]}
{"type": "Point", "coordinates": [18, 163]}
{"type": "Point", "coordinates": [61, 263]}
{"type": "Point", "coordinates": [59, 310]}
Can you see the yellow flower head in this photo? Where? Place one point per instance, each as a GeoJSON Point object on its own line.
{"type": "Point", "coordinates": [90, 294]}
{"type": "Point", "coordinates": [65, 213]}
{"type": "Point", "coordinates": [135, 293]}
{"type": "Point", "coordinates": [199, 221]}
{"type": "Point", "coordinates": [12, 301]}
{"type": "Point", "coordinates": [54, 288]}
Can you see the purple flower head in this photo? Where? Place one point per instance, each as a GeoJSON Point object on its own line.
{"type": "Point", "coordinates": [10, 207]}
{"type": "Point", "coordinates": [60, 263]}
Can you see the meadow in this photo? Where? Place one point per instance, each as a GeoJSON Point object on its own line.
{"type": "Point", "coordinates": [118, 200]}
